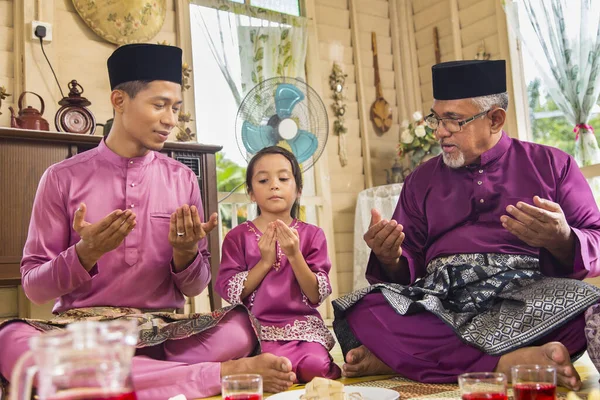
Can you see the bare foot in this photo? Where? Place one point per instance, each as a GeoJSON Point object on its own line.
{"type": "Point", "coordinates": [276, 371]}
{"type": "Point", "coordinates": [553, 353]}
{"type": "Point", "coordinates": [360, 362]}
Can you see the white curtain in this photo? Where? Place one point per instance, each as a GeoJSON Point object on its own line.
{"type": "Point", "coordinates": [384, 199]}
{"type": "Point", "coordinates": [563, 38]}
{"type": "Point", "coordinates": [266, 43]}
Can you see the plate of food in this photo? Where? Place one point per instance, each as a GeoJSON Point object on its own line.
{"type": "Point", "coordinates": [325, 389]}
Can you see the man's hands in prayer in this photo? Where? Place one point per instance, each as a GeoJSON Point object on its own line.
{"type": "Point", "coordinates": [266, 245]}
{"type": "Point", "coordinates": [185, 231]}
{"type": "Point", "coordinates": [384, 238]}
{"type": "Point", "coordinates": [542, 225]}
{"type": "Point", "coordinates": [101, 237]}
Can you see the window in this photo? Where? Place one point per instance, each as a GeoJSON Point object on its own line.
{"type": "Point", "coordinates": [547, 123]}
{"type": "Point", "coordinates": [216, 106]}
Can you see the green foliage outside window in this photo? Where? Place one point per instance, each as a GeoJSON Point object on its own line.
{"type": "Point", "coordinates": [553, 131]}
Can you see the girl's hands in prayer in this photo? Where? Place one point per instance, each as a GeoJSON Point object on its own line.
{"type": "Point", "coordinates": [266, 245]}
{"type": "Point", "coordinates": [101, 237]}
{"type": "Point", "coordinates": [288, 239]}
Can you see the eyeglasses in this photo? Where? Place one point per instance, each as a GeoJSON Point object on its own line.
{"type": "Point", "coordinates": [450, 124]}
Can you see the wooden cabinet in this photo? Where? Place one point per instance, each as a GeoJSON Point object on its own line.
{"type": "Point", "coordinates": [25, 155]}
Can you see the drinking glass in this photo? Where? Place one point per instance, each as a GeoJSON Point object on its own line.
{"type": "Point", "coordinates": [242, 387]}
{"type": "Point", "coordinates": [534, 382]}
{"type": "Point", "coordinates": [483, 386]}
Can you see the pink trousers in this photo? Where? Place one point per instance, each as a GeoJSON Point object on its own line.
{"type": "Point", "coordinates": [189, 366]}
{"type": "Point", "coordinates": [308, 359]}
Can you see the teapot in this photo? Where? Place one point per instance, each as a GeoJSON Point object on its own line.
{"type": "Point", "coordinates": [396, 175]}
{"type": "Point", "coordinates": [87, 360]}
{"type": "Point", "coordinates": [29, 118]}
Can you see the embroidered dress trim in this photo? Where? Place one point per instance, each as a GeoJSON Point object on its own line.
{"type": "Point", "coordinates": [235, 287]}
{"type": "Point", "coordinates": [324, 290]}
{"type": "Point", "coordinates": [313, 329]}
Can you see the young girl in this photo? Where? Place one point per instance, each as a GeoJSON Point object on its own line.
{"type": "Point", "coordinates": [278, 267]}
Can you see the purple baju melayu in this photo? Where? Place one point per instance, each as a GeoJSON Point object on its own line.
{"type": "Point", "coordinates": [453, 216]}
{"type": "Point", "coordinates": [137, 274]}
{"type": "Point", "coordinates": [291, 325]}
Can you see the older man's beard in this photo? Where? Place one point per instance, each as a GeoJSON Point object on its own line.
{"type": "Point", "coordinates": [455, 160]}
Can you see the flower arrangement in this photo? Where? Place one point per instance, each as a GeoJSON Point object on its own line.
{"type": "Point", "coordinates": [417, 141]}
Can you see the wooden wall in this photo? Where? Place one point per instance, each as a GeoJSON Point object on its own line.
{"type": "Point", "coordinates": [75, 52]}
{"type": "Point", "coordinates": [7, 56]}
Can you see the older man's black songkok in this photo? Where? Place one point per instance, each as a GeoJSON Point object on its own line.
{"type": "Point", "coordinates": [464, 79]}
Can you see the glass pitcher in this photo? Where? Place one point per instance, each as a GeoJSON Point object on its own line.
{"type": "Point", "coordinates": [89, 360]}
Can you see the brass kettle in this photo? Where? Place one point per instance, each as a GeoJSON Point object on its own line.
{"type": "Point", "coordinates": [29, 117]}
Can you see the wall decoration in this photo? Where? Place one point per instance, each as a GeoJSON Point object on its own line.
{"type": "Point", "coordinates": [184, 134]}
{"type": "Point", "coordinates": [436, 45]}
{"type": "Point", "coordinates": [381, 110]}
{"type": "Point", "coordinates": [337, 80]}
{"type": "Point", "coordinates": [481, 53]}
{"type": "Point", "coordinates": [3, 95]}
{"type": "Point", "coordinates": [122, 22]}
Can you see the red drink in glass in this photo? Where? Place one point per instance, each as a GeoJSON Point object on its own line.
{"type": "Point", "coordinates": [244, 397]}
{"type": "Point", "coordinates": [534, 391]}
{"type": "Point", "coordinates": [484, 396]}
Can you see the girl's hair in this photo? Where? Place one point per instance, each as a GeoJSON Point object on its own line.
{"type": "Point", "coordinates": [295, 171]}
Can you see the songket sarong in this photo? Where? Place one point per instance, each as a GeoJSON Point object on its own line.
{"type": "Point", "coordinates": [494, 302]}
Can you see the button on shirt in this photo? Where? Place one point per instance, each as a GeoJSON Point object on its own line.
{"type": "Point", "coordinates": [138, 273]}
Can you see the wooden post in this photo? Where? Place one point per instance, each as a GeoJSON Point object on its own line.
{"type": "Point", "coordinates": [396, 53]}
{"type": "Point", "coordinates": [518, 122]}
{"type": "Point", "coordinates": [456, 40]}
{"type": "Point", "coordinates": [321, 168]}
{"type": "Point", "coordinates": [184, 41]}
{"type": "Point", "coordinates": [363, 113]}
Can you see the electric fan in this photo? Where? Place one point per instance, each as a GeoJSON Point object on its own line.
{"type": "Point", "coordinates": [285, 112]}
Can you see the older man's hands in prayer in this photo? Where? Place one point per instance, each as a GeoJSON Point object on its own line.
{"type": "Point", "coordinates": [385, 239]}
{"type": "Point", "coordinates": [101, 237]}
{"type": "Point", "coordinates": [185, 231]}
{"type": "Point", "coordinates": [542, 225]}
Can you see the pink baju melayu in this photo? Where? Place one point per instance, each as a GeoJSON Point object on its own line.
{"type": "Point", "coordinates": [137, 274]}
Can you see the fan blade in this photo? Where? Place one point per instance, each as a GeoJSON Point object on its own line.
{"type": "Point", "coordinates": [256, 137]}
{"type": "Point", "coordinates": [303, 145]}
{"type": "Point", "coordinates": [286, 98]}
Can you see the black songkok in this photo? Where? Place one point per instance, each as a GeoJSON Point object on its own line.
{"type": "Point", "coordinates": [465, 79]}
{"type": "Point", "coordinates": [144, 62]}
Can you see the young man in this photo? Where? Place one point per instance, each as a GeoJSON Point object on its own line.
{"type": "Point", "coordinates": [468, 274]}
{"type": "Point", "coordinates": [118, 230]}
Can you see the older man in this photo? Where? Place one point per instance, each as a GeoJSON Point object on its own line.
{"type": "Point", "coordinates": [479, 267]}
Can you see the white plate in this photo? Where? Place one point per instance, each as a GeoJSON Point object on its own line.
{"type": "Point", "coordinates": [368, 393]}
